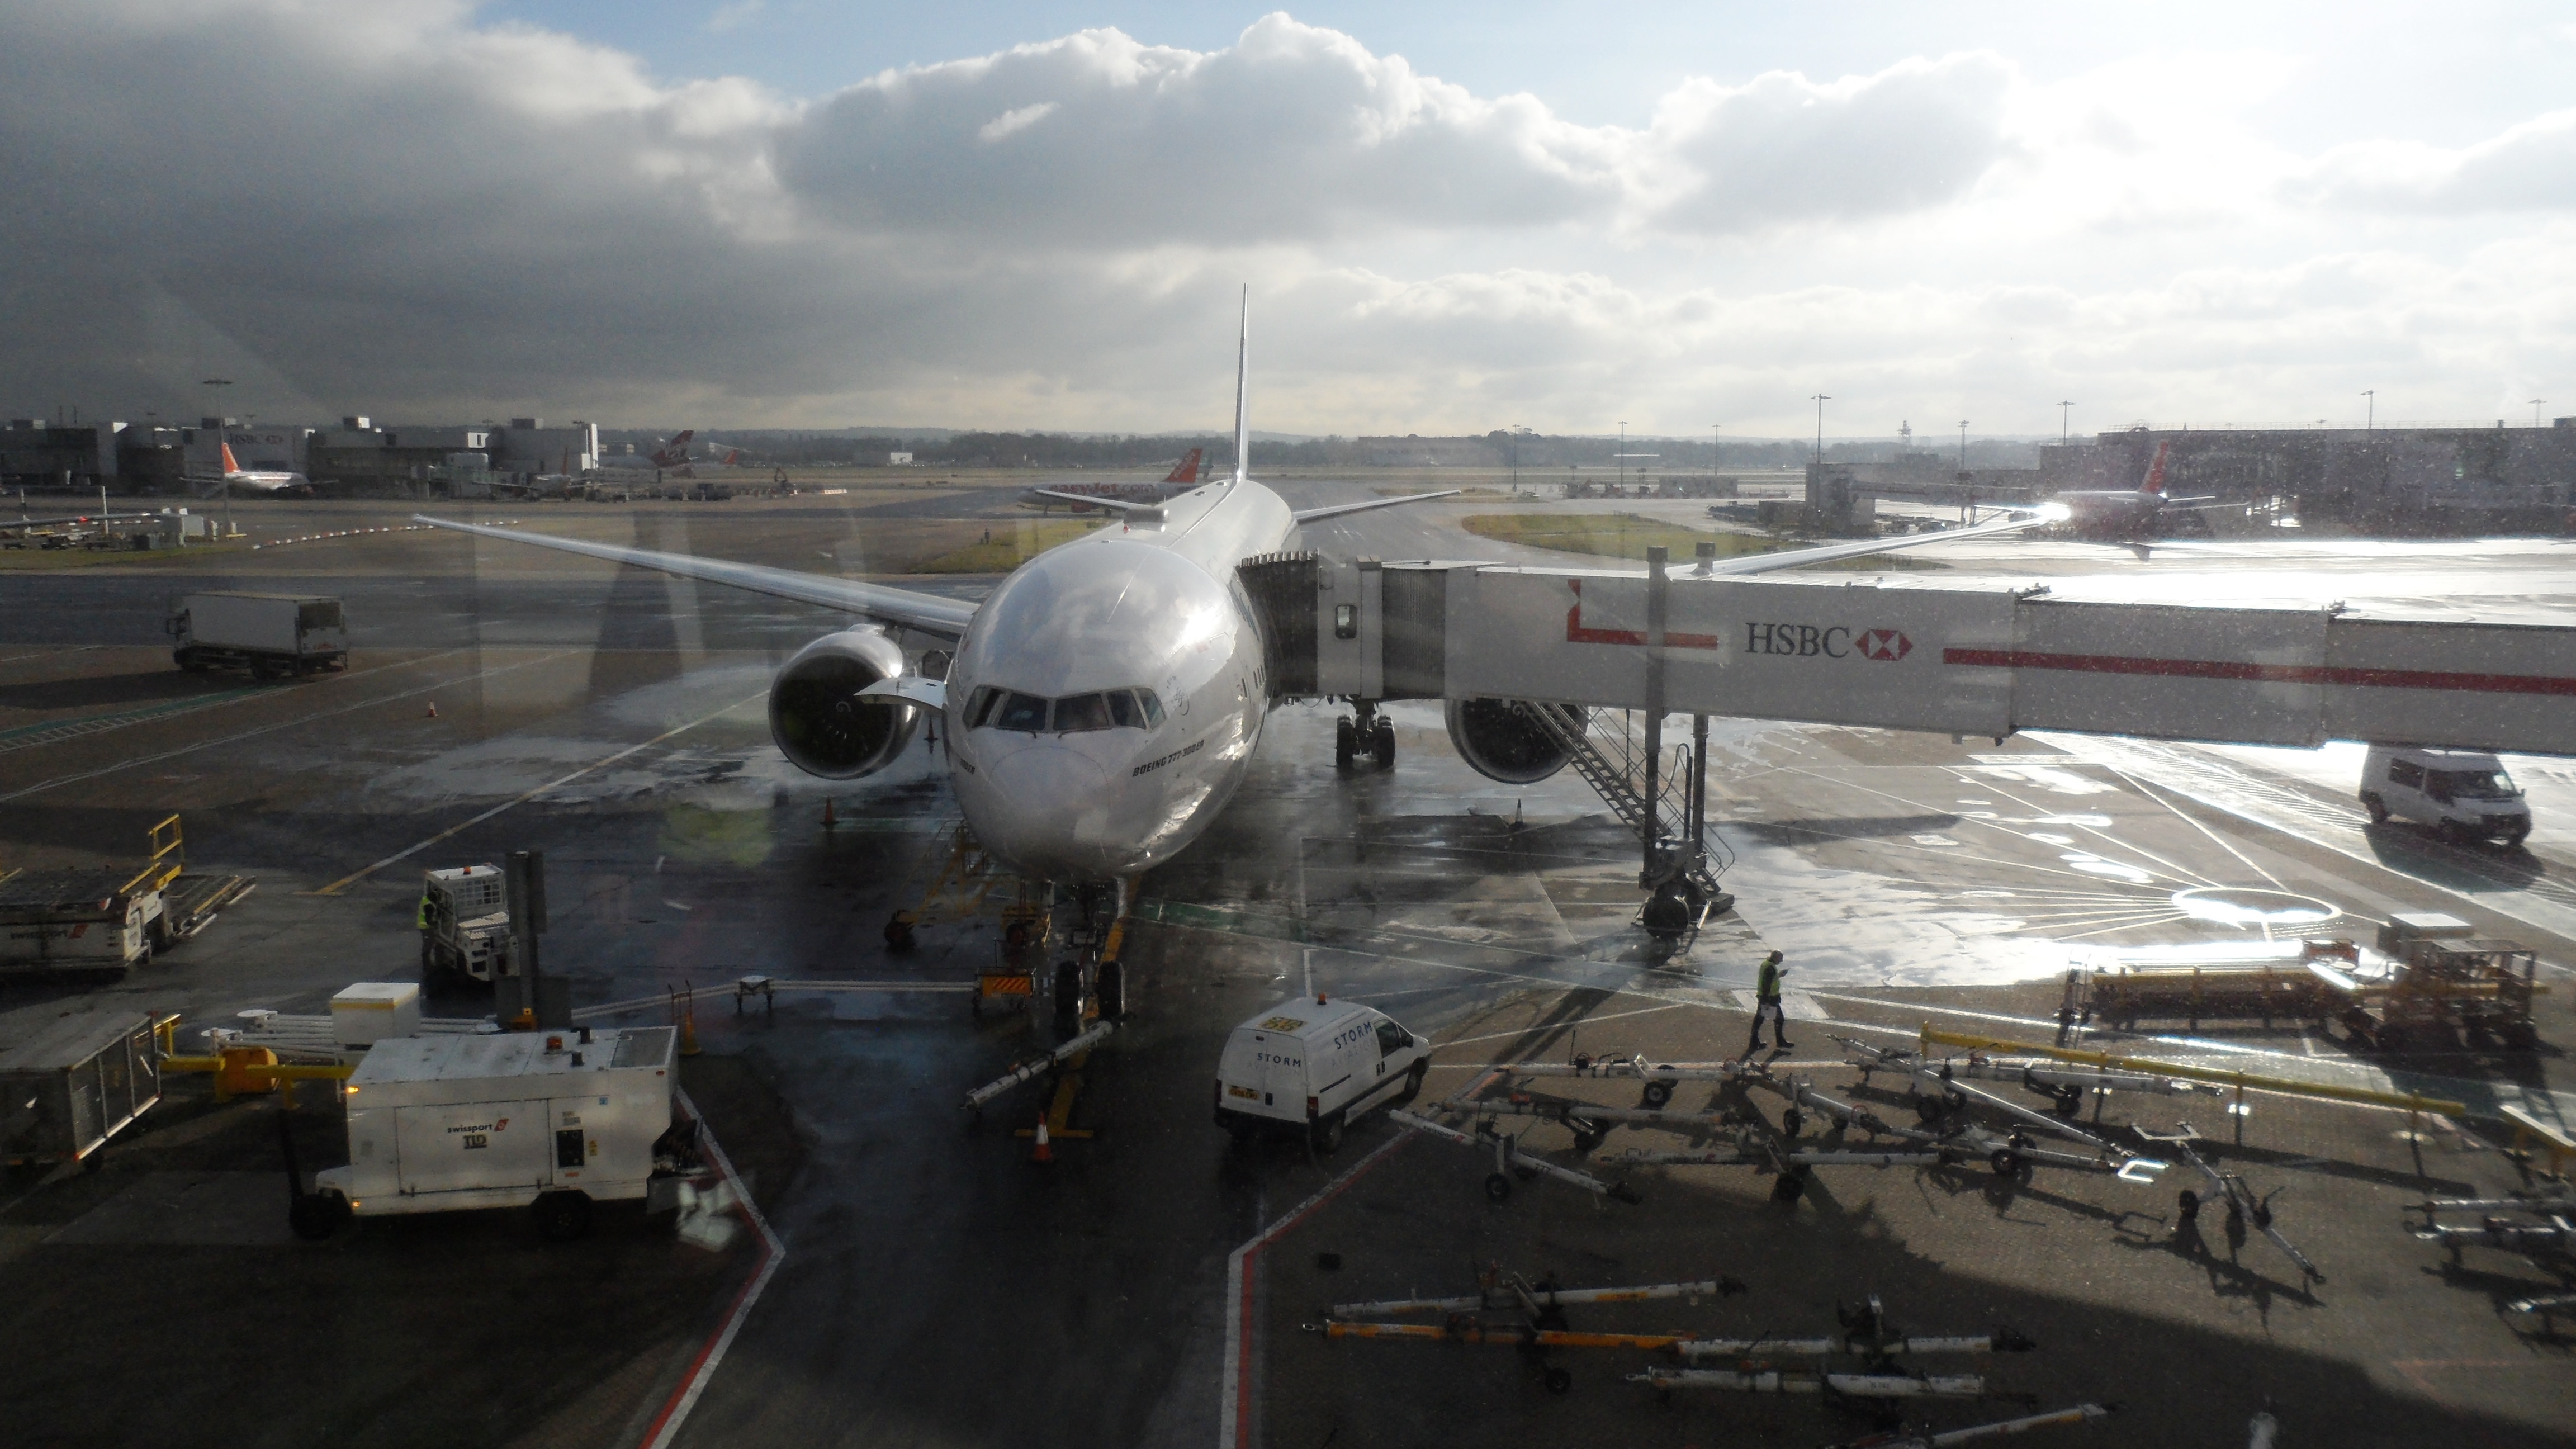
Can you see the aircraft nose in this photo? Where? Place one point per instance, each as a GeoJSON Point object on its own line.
{"type": "Point", "coordinates": [1047, 811]}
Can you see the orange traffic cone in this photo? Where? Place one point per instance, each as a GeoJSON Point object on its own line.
{"type": "Point", "coordinates": [1043, 1152]}
{"type": "Point", "coordinates": [433, 709]}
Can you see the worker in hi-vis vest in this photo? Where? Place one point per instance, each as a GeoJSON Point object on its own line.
{"type": "Point", "coordinates": [1766, 1002]}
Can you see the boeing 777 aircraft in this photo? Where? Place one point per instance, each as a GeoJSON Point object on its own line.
{"type": "Point", "coordinates": [2121, 514]}
{"type": "Point", "coordinates": [1104, 701]}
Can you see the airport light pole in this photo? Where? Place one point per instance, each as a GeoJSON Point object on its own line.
{"type": "Point", "coordinates": [2370, 409]}
{"type": "Point", "coordinates": [1712, 457]}
{"type": "Point", "coordinates": [1623, 457]}
{"type": "Point", "coordinates": [1820, 399]}
{"type": "Point", "coordinates": [219, 456]}
{"type": "Point", "coordinates": [2064, 413]}
{"type": "Point", "coordinates": [2535, 410]}
{"type": "Point", "coordinates": [1963, 445]}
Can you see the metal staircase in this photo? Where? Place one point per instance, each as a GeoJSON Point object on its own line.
{"type": "Point", "coordinates": [1612, 760]}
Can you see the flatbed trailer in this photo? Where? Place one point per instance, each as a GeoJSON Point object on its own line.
{"type": "Point", "coordinates": [2315, 988]}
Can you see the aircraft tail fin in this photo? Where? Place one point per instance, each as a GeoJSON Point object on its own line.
{"type": "Point", "coordinates": [229, 465]}
{"type": "Point", "coordinates": [2156, 470]}
{"type": "Point", "coordinates": [1242, 390]}
{"type": "Point", "coordinates": [1186, 470]}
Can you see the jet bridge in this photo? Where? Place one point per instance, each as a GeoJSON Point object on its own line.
{"type": "Point", "coordinates": [1961, 657]}
{"type": "Point", "coordinates": [1545, 647]}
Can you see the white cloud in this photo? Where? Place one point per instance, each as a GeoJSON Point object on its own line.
{"type": "Point", "coordinates": [2528, 167]}
{"type": "Point", "coordinates": [401, 210]}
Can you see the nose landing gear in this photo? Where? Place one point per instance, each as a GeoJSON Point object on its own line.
{"type": "Point", "coordinates": [1364, 732]}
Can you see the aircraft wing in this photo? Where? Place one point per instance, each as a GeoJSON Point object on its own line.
{"type": "Point", "coordinates": [1120, 504]}
{"type": "Point", "coordinates": [1763, 563]}
{"type": "Point", "coordinates": [6, 523]}
{"type": "Point", "coordinates": [928, 613]}
{"type": "Point", "coordinates": [1309, 515]}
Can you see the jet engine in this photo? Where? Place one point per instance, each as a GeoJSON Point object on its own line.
{"type": "Point", "coordinates": [1501, 743]}
{"type": "Point", "coordinates": [817, 717]}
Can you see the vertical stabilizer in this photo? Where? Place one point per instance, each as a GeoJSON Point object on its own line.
{"type": "Point", "coordinates": [1242, 375]}
{"type": "Point", "coordinates": [2156, 471]}
{"type": "Point", "coordinates": [229, 465]}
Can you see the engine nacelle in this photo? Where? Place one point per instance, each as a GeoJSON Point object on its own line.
{"type": "Point", "coordinates": [817, 717]}
{"type": "Point", "coordinates": [1501, 743]}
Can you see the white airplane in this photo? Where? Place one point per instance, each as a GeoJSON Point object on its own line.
{"type": "Point", "coordinates": [1085, 496]}
{"type": "Point", "coordinates": [1104, 701]}
{"type": "Point", "coordinates": [673, 453]}
{"type": "Point", "coordinates": [256, 480]}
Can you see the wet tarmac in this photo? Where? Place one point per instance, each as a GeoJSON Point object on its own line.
{"type": "Point", "coordinates": [938, 1287]}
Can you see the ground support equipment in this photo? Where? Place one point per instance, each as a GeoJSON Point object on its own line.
{"type": "Point", "coordinates": [1948, 1093]}
{"type": "Point", "coordinates": [2243, 1205]}
{"type": "Point", "coordinates": [1510, 1162]}
{"type": "Point", "coordinates": [1902, 1439]}
{"type": "Point", "coordinates": [2537, 1225]}
{"type": "Point", "coordinates": [1036, 1067]}
{"type": "Point", "coordinates": [1659, 1078]}
{"type": "Point", "coordinates": [1509, 1290]}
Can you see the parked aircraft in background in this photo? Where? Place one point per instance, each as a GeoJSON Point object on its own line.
{"type": "Point", "coordinates": [672, 455]}
{"type": "Point", "coordinates": [2122, 515]}
{"type": "Point", "coordinates": [1084, 496]}
{"type": "Point", "coordinates": [253, 480]}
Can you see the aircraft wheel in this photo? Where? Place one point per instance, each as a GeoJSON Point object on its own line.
{"type": "Point", "coordinates": [1068, 996]}
{"type": "Point", "coordinates": [1343, 745]}
{"type": "Point", "coordinates": [1382, 743]}
{"type": "Point", "coordinates": [1113, 991]}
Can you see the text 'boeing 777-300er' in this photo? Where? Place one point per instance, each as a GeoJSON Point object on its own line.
{"type": "Point", "coordinates": [1102, 703]}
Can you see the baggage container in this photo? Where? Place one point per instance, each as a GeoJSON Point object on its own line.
{"type": "Point", "coordinates": [74, 1083]}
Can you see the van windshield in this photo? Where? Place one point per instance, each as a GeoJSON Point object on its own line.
{"type": "Point", "coordinates": [2472, 785]}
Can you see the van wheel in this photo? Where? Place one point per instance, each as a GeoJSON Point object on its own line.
{"type": "Point", "coordinates": [1328, 1133]}
{"type": "Point", "coordinates": [2454, 833]}
{"type": "Point", "coordinates": [1413, 1082]}
{"type": "Point", "coordinates": [562, 1217]}
{"type": "Point", "coordinates": [316, 1216]}
{"type": "Point", "coordinates": [2377, 807]}
{"type": "Point", "coordinates": [1498, 1188]}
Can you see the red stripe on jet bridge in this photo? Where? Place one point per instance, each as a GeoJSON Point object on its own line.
{"type": "Point", "coordinates": [2261, 673]}
{"type": "Point", "coordinates": [1576, 633]}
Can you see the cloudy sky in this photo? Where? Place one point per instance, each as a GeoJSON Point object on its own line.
{"type": "Point", "coordinates": [786, 213]}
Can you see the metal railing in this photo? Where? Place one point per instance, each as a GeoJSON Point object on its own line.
{"type": "Point", "coordinates": [1604, 747]}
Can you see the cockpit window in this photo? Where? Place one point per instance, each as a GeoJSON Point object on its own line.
{"type": "Point", "coordinates": [1120, 709]}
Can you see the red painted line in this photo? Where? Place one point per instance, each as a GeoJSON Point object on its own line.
{"type": "Point", "coordinates": [1576, 633]}
{"type": "Point", "coordinates": [675, 1410]}
{"type": "Point", "coordinates": [2262, 673]}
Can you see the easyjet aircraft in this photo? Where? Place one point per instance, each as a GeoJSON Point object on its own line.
{"type": "Point", "coordinates": [2123, 514]}
{"type": "Point", "coordinates": [1085, 496]}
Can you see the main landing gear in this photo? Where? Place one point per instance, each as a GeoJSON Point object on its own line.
{"type": "Point", "coordinates": [1369, 733]}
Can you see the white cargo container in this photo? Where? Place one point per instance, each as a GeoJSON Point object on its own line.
{"type": "Point", "coordinates": [368, 1012]}
{"type": "Point", "coordinates": [268, 634]}
{"type": "Point", "coordinates": [555, 1120]}
{"type": "Point", "coordinates": [78, 920]}
{"type": "Point", "coordinates": [1313, 1064]}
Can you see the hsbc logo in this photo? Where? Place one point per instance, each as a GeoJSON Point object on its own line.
{"type": "Point", "coordinates": [1806, 641]}
{"type": "Point", "coordinates": [1887, 644]}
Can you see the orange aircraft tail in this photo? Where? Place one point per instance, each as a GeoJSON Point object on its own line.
{"type": "Point", "coordinates": [229, 465]}
{"type": "Point", "coordinates": [1187, 470]}
{"type": "Point", "coordinates": [2156, 471]}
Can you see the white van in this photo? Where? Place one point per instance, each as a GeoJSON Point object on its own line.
{"type": "Point", "coordinates": [1314, 1064]}
{"type": "Point", "coordinates": [2464, 794]}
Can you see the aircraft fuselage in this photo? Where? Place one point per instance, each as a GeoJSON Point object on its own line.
{"type": "Point", "coordinates": [1142, 606]}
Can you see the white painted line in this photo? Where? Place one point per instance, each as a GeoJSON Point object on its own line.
{"type": "Point", "coordinates": [666, 1425]}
